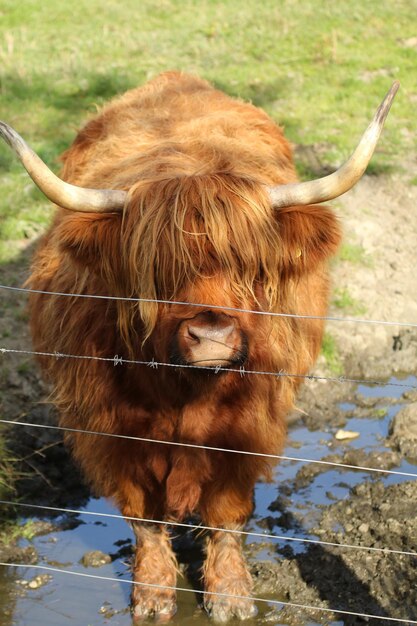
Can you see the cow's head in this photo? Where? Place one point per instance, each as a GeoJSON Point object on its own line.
{"type": "Point", "coordinates": [215, 241]}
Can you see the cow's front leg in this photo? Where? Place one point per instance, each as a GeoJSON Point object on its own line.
{"type": "Point", "coordinates": [225, 572]}
{"type": "Point", "coordinates": [155, 564]}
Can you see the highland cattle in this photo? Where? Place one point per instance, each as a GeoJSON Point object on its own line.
{"type": "Point", "coordinates": [183, 205]}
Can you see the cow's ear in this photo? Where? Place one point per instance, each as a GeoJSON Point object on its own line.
{"type": "Point", "coordinates": [92, 239]}
{"type": "Point", "coordinates": [310, 234]}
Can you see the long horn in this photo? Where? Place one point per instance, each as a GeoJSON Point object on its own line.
{"type": "Point", "coordinates": [346, 176]}
{"type": "Point", "coordinates": [58, 191]}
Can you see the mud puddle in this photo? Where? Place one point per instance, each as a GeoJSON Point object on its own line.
{"type": "Point", "coordinates": [305, 500]}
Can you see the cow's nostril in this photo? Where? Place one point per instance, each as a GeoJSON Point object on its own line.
{"type": "Point", "coordinates": [192, 335]}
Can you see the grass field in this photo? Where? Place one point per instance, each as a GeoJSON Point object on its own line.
{"type": "Point", "coordinates": [319, 68]}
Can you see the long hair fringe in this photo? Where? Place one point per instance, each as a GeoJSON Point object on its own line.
{"type": "Point", "coordinates": [186, 228]}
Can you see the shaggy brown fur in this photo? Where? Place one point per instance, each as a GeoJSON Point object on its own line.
{"type": "Point", "coordinates": [197, 227]}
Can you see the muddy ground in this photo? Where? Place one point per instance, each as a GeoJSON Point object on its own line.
{"type": "Point", "coordinates": [380, 223]}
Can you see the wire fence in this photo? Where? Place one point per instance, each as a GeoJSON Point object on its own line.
{"type": "Point", "coordinates": [213, 306]}
{"type": "Point", "coordinates": [202, 527]}
{"type": "Point", "coordinates": [242, 371]}
{"type": "Point", "coordinates": [278, 457]}
{"type": "Point", "coordinates": [117, 360]}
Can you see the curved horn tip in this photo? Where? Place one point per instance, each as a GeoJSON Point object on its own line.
{"type": "Point", "coordinates": [385, 105]}
{"type": "Point", "coordinates": [334, 185]}
{"type": "Point", "coordinates": [6, 132]}
{"type": "Point", "coordinates": [63, 194]}
{"type": "Point", "coordinates": [12, 138]}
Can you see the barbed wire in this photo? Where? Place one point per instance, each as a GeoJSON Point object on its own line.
{"type": "Point", "coordinates": [242, 371]}
{"type": "Point", "coordinates": [294, 605]}
{"type": "Point", "coordinates": [214, 306]}
{"type": "Point", "coordinates": [279, 457]}
{"type": "Point", "coordinates": [201, 527]}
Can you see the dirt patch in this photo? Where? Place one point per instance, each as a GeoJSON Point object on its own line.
{"type": "Point", "coordinates": [354, 581]}
{"type": "Point", "coordinates": [377, 216]}
{"type": "Point", "coordinates": [403, 431]}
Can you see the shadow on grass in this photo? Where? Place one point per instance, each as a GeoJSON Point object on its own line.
{"type": "Point", "coordinates": [65, 104]}
{"type": "Point", "coordinates": [73, 96]}
{"type": "Point", "coordinates": [261, 94]}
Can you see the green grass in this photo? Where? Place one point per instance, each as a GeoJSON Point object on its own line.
{"type": "Point", "coordinates": [354, 253]}
{"type": "Point", "coordinates": [343, 300]}
{"type": "Point", "coordinates": [318, 68]}
{"type": "Point", "coordinates": [331, 354]}
{"type": "Point", "coordinates": [14, 529]}
{"type": "Point", "coordinates": [17, 530]}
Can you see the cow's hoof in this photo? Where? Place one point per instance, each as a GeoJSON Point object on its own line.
{"type": "Point", "coordinates": [153, 604]}
{"type": "Point", "coordinates": [221, 609]}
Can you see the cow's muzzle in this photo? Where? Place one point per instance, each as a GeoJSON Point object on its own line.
{"type": "Point", "coordinates": [210, 339]}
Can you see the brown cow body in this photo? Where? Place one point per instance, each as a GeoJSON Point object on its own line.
{"type": "Point", "coordinates": [197, 227]}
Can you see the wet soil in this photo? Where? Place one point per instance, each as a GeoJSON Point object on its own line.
{"type": "Point", "coordinates": [345, 506]}
{"type": "Point", "coordinates": [310, 501]}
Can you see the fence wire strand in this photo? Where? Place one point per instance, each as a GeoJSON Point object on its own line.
{"type": "Point", "coordinates": [214, 306]}
{"type": "Point", "coordinates": [279, 457]}
{"type": "Point", "coordinates": [201, 527]}
{"type": "Point", "coordinates": [119, 360]}
{"type": "Point", "coordinates": [283, 603]}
